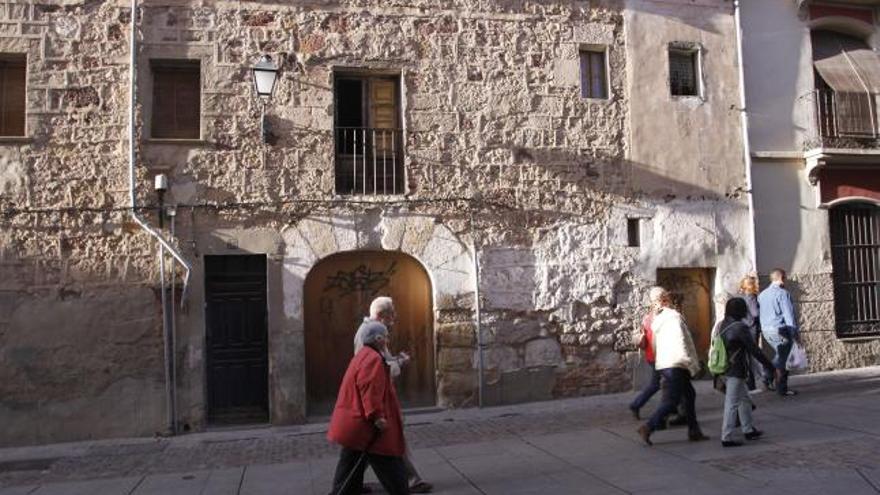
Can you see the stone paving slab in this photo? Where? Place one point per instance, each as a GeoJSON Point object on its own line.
{"type": "Point", "coordinates": [118, 486]}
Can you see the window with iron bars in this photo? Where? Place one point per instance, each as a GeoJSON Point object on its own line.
{"type": "Point", "coordinates": [855, 251]}
{"type": "Point", "coordinates": [684, 72]}
{"type": "Point", "coordinates": [369, 140]}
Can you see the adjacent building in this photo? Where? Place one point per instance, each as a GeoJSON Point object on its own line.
{"type": "Point", "coordinates": [812, 75]}
{"type": "Point", "coordinates": [515, 174]}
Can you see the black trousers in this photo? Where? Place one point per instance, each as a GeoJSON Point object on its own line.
{"type": "Point", "coordinates": [391, 472]}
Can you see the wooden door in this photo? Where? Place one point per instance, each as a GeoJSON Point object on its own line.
{"type": "Point", "coordinates": [236, 339]}
{"type": "Point", "coordinates": [338, 292]}
{"type": "Point", "coordinates": [691, 290]}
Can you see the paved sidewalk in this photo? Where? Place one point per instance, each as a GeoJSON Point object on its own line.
{"type": "Point", "coordinates": [826, 440]}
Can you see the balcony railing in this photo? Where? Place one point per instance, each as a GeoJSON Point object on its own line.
{"type": "Point", "coordinates": [369, 161]}
{"type": "Point", "coordinates": [844, 120]}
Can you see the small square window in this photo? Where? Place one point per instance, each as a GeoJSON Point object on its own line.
{"type": "Point", "coordinates": [594, 77]}
{"type": "Point", "coordinates": [13, 75]}
{"type": "Point", "coordinates": [684, 71]}
{"type": "Point", "coordinates": [176, 99]}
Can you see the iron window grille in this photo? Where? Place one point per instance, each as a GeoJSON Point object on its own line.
{"type": "Point", "coordinates": [684, 70]}
{"type": "Point", "coordinates": [855, 251]}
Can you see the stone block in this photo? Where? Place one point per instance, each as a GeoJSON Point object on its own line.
{"type": "Point", "coordinates": [461, 334]}
{"type": "Point", "coordinates": [517, 331]}
{"type": "Point", "coordinates": [456, 388]}
{"type": "Point", "coordinates": [499, 358]}
{"type": "Point", "coordinates": [543, 352]}
{"type": "Point", "coordinates": [455, 359]}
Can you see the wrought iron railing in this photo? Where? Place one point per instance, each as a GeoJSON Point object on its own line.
{"type": "Point", "coordinates": [369, 161]}
{"type": "Point", "coordinates": [844, 120]}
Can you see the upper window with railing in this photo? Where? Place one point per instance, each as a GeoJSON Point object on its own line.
{"type": "Point", "coordinates": [847, 75]}
{"type": "Point", "coordinates": [369, 140]}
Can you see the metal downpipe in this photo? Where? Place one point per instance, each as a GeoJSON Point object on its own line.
{"type": "Point", "coordinates": [164, 245]}
{"type": "Point", "coordinates": [744, 124]}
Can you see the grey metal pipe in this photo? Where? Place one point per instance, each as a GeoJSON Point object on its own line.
{"type": "Point", "coordinates": [164, 245]}
{"type": "Point", "coordinates": [744, 123]}
{"type": "Point", "coordinates": [478, 316]}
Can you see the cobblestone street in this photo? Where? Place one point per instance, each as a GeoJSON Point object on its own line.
{"type": "Point", "coordinates": [827, 436]}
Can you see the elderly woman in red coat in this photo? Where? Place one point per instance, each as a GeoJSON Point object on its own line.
{"type": "Point", "coordinates": [367, 422]}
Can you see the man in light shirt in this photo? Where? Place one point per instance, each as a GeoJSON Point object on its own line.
{"type": "Point", "coordinates": [778, 326]}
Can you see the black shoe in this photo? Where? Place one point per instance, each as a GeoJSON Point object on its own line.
{"type": "Point", "coordinates": [769, 386]}
{"type": "Point", "coordinates": [645, 433]}
{"type": "Point", "coordinates": [730, 443]}
{"type": "Point", "coordinates": [754, 434]}
{"type": "Point", "coordinates": [697, 436]}
{"type": "Point", "coordinates": [635, 412]}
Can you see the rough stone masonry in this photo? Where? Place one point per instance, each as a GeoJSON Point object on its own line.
{"type": "Point", "coordinates": [503, 157]}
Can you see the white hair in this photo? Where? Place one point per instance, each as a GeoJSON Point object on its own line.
{"type": "Point", "coordinates": [657, 294]}
{"type": "Point", "coordinates": [380, 305]}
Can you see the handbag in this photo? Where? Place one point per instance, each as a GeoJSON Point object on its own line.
{"type": "Point", "coordinates": [797, 358]}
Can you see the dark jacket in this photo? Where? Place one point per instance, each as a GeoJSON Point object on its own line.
{"type": "Point", "coordinates": [739, 345]}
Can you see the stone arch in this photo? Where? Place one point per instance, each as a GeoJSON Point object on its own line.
{"type": "Point", "coordinates": [848, 26]}
{"type": "Point", "coordinates": [445, 256]}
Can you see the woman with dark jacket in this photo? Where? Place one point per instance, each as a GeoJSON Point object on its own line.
{"type": "Point", "coordinates": [740, 346]}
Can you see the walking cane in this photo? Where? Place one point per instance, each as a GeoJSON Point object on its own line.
{"type": "Point", "coordinates": [361, 459]}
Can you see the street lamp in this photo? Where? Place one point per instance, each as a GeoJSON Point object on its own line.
{"type": "Point", "coordinates": [265, 73]}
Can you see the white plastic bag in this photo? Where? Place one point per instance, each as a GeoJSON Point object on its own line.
{"type": "Point", "coordinates": [797, 358]}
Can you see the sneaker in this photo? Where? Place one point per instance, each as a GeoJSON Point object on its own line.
{"type": "Point", "coordinates": [421, 487]}
{"type": "Point", "coordinates": [677, 420]}
{"type": "Point", "coordinates": [645, 433]}
{"type": "Point", "coordinates": [635, 412]}
{"type": "Point", "coordinates": [754, 434]}
{"type": "Point", "coordinates": [788, 393]}
{"type": "Point", "coordinates": [731, 443]}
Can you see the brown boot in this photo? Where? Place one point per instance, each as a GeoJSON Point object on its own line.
{"type": "Point", "coordinates": [645, 433]}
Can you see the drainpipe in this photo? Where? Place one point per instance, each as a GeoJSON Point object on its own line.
{"type": "Point", "coordinates": [477, 314]}
{"type": "Point", "coordinates": [164, 245]}
{"type": "Point", "coordinates": [747, 147]}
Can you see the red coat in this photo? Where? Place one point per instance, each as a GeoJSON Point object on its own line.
{"type": "Point", "coordinates": [648, 341]}
{"type": "Point", "coordinates": [365, 395]}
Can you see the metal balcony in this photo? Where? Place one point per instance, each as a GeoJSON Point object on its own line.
{"type": "Point", "coordinates": [369, 161]}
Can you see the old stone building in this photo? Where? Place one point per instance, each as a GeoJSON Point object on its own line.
{"type": "Point", "coordinates": [515, 173]}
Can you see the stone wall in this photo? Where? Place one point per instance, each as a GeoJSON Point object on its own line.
{"type": "Point", "coordinates": [503, 157]}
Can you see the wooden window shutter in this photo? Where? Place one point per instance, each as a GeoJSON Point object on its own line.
{"type": "Point", "coordinates": [13, 75]}
{"type": "Point", "coordinates": [176, 101]}
{"type": "Point", "coordinates": [383, 111]}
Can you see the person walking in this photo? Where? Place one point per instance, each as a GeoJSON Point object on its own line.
{"type": "Point", "coordinates": [367, 421]}
{"type": "Point", "coordinates": [646, 343]}
{"type": "Point", "coordinates": [778, 326]}
{"type": "Point", "coordinates": [676, 358]}
{"type": "Point", "coordinates": [382, 310]}
{"type": "Point", "coordinates": [740, 348]}
{"type": "Point", "coordinates": [748, 290]}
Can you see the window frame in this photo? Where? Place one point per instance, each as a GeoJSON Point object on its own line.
{"type": "Point", "coordinates": [695, 52]}
{"type": "Point", "coordinates": [585, 71]}
{"type": "Point", "coordinates": [19, 61]}
{"type": "Point", "coordinates": [172, 65]}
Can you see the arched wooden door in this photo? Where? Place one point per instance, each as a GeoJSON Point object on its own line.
{"type": "Point", "coordinates": [338, 292]}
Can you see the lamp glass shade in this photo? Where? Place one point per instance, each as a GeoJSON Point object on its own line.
{"type": "Point", "coordinates": [265, 73]}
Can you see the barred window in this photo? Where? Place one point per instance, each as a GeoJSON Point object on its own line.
{"type": "Point", "coordinates": [13, 75]}
{"type": "Point", "coordinates": [855, 257]}
{"type": "Point", "coordinates": [176, 99]}
{"type": "Point", "coordinates": [594, 79]}
{"type": "Point", "coordinates": [684, 67]}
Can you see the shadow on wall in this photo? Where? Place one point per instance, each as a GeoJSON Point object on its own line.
{"type": "Point", "coordinates": [78, 359]}
{"type": "Point", "coordinates": [778, 212]}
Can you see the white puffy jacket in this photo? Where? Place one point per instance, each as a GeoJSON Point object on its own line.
{"type": "Point", "coordinates": [673, 344]}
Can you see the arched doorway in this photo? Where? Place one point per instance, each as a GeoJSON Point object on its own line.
{"type": "Point", "coordinates": [338, 292]}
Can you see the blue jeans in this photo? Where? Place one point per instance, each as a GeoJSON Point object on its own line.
{"type": "Point", "coordinates": [781, 340]}
{"type": "Point", "coordinates": [650, 389]}
{"type": "Point", "coordinates": [678, 390]}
